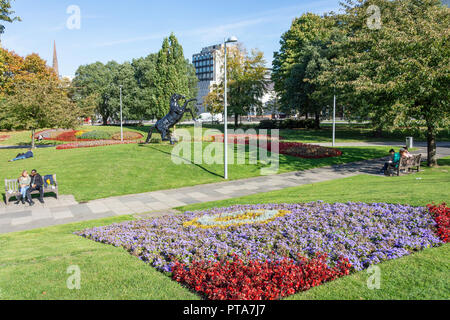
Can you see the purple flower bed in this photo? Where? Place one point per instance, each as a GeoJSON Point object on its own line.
{"type": "Point", "coordinates": [364, 233]}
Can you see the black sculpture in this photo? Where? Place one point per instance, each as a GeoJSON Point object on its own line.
{"type": "Point", "coordinates": [174, 116]}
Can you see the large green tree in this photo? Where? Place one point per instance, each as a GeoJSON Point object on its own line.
{"type": "Point", "coordinates": [174, 74]}
{"type": "Point", "coordinates": [39, 103]}
{"type": "Point", "coordinates": [395, 67]}
{"type": "Point", "coordinates": [303, 55]}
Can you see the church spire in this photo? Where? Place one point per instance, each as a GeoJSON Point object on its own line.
{"type": "Point", "coordinates": [55, 59]}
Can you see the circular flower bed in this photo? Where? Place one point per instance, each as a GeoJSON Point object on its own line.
{"type": "Point", "coordinates": [91, 144]}
{"type": "Point", "coordinates": [86, 135]}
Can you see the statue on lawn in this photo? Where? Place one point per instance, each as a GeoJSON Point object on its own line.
{"type": "Point", "coordinates": [174, 116]}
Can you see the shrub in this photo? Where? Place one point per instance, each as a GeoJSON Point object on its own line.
{"type": "Point", "coordinates": [268, 124]}
{"type": "Point", "coordinates": [95, 135]}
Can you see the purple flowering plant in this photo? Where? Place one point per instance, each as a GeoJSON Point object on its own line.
{"type": "Point", "coordinates": [365, 234]}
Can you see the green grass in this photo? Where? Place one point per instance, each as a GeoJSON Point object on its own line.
{"type": "Point", "coordinates": [94, 173]}
{"type": "Point", "coordinates": [33, 264]}
{"type": "Point", "coordinates": [345, 132]}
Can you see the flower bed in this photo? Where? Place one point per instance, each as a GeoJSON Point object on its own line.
{"type": "Point", "coordinates": [4, 137]}
{"type": "Point", "coordinates": [128, 136]}
{"type": "Point", "coordinates": [257, 280]}
{"type": "Point", "coordinates": [441, 215]}
{"type": "Point", "coordinates": [295, 149]}
{"type": "Point", "coordinates": [86, 135]}
{"type": "Point", "coordinates": [92, 144]}
{"type": "Point", "coordinates": [308, 151]}
{"type": "Point", "coordinates": [362, 234]}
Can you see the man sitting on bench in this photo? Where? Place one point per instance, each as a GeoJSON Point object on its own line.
{"type": "Point", "coordinates": [37, 183]}
{"type": "Point", "coordinates": [393, 161]}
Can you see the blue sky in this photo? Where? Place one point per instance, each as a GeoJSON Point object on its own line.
{"type": "Point", "coordinates": [123, 30]}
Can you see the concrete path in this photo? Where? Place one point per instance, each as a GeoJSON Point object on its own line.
{"type": "Point", "coordinates": [67, 210]}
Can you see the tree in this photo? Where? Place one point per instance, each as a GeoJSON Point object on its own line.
{"type": "Point", "coordinates": [6, 14]}
{"type": "Point", "coordinates": [144, 73]}
{"type": "Point", "coordinates": [173, 75]}
{"type": "Point", "coordinates": [304, 54]}
{"type": "Point", "coordinates": [398, 71]}
{"type": "Point", "coordinates": [247, 83]}
{"type": "Point", "coordinates": [39, 103]}
{"type": "Point", "coordinates": [213, 102]}
{"type": "Point", "coordinates": [95, 81]}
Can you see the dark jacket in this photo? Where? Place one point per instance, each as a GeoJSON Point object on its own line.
{"type": "Point", "coordinates": [37, 180]}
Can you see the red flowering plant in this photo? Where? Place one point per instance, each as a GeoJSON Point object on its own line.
{"type": "Point", "coordinates": [257, 280]}
{"type": "Point", "coordinates": [441, 215]}
{"type": "Point", "coordinates": [3, 137]}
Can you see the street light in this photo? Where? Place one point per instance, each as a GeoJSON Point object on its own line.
{"type": "Point", "coordinates": [225, 135]}
{"type": "Point", "coordinates": [121, 122]}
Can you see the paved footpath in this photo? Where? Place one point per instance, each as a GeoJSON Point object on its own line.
{"type": "Point", "coordinates": [66, 210]}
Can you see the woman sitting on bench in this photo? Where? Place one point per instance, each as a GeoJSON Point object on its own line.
{"type": "Point", "coordinates": [24, 185]}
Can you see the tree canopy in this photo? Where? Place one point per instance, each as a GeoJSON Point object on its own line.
{"type": "Point", "coordinates": [148, 83]}
{"type": "Point", "coordinates": [397, 74]}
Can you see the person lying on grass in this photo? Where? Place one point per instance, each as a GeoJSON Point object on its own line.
{"type": "Point", "coordinates": [21, 156]}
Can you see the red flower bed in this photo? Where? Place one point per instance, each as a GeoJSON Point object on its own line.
{"type": "Point", "coordinates": [295, 149]}
{"type": "Point", "coordinates": [92, 144]}
{"type": "Point", "coordinates": [4, 137]}
{"type": "Point", "coordinates": [257, 280]}
{"type": "Point", "coordinates": [441, 215]}
{"type": "Point", "coordinates": [308, 151]}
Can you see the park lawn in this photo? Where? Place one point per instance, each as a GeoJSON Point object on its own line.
{"type": "Point", "coordinates": [33, 264]}
{"type": "Point", "coordinates": [345, 133]}
{"type": "Point", "coordinates": [95, 173]}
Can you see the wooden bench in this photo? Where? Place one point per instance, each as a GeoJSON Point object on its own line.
{"type": "Point", "coordinates": [12, 189]}
{"type": "Point", "coordinates": [406, 164]}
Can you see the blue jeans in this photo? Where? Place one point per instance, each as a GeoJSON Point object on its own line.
{"type": "Point", "coordinates": [19, 158]}
{"type": "Point", "coordinates": [23, 192]}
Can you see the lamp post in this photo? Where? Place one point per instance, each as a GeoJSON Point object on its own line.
{"type": "Point", "coordinates": [121, 121]}
{"type": "Point", "coordinates": [225, 134]}
{"type": "Point", "coordinates": [334, 121]}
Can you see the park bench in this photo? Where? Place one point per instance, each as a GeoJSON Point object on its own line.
{"type": "Point", "coordinates": [12, 189]}
{"type": "Point", "coordinates": [406, 164]}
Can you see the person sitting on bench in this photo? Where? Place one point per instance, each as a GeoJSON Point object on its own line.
{"type": "Point", "coordinates": [394, 161]}
{"type": "Point", "coordinates": [24, 186]}
{"type": "Point", "coordinates": [37, 183]}
{"type": "Point", "coordinates": [407, 154]}
{"type": "Point", "coordinates": [22, 156]}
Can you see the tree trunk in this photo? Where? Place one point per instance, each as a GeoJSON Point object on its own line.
{"type": "Point", "coordinates": [33, 143]}
{"type": "Point", "coordinates": [431, 139]}
{"type": "Point", "coordinates": [105, 120]}
{"type": "Point", "coordinates": [236, 120]}
{"type": "Point", "coordinates": [317, 121]}
{"type": "Point", "coordinates": [378, 132]}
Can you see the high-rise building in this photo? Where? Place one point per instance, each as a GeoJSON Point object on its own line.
{"type": "Point", "coordinates": [209, 70]}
